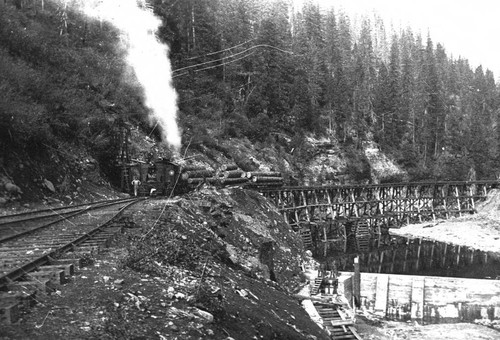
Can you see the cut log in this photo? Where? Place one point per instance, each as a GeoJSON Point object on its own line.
{"type": "Point", "coordinates": [210, 180]}
{"type": "Point", "coordinates": [197, 174]}
{"type": "Point", "coordinates": [228, 167]}
{"type": "Point", "coordinates": [192, 168]}
{"type": "Point", "coordinates": [262, 179]}
{"type": "Point", "coordinates": [232, 174]}
{"type": "Point", "coordinates": [263, 174]}
{"type": "Point", "coordinates": [230, 181]}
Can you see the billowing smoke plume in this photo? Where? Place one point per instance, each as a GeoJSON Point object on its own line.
{"type": "Point", "coordinates": [147, 56]}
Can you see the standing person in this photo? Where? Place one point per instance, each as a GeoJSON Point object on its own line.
{"type": "Point", "coordinates": [135, 184]}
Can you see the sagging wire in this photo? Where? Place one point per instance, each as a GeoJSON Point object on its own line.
{"type": "Point", "coordinates": [210, 67]}
{"type": "Point", "coordinates": [229, 62]}
{"type": "Point", "coordinates": [232, 56]}
{"type": "Point", "coordinates": [224, 50]}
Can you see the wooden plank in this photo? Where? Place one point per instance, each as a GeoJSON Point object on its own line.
{"type": "Point", "coordinates": [417, 298]}
{"type": "Point", "coordinates": [422, 292]}
{"type": "Point", "coordinates": [381, 293]}
{"type": "Point", "coordinates": [9, 312]}
{"type": "Point", "coordinates": [347, 322]}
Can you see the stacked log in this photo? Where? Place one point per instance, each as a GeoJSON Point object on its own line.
{"type": "Point", "coordinates": [232, 174]}
{"type": "Point", "coordinates": [192, 168]}
{"type": "Point", "coordinates": [253, 174]}
{"type": "Point", "coordinates": [267, 180]}
{"type": "Point", "coordinates": [209, 180]}
{"type": "Point", "coordinates": [233, 181]}
{"type": "Point", "coordinates": [228, 167]}
{"type": "Point", "coordinates": [197, 174]}
{"type": "Point", "coordinates": [271, 178]}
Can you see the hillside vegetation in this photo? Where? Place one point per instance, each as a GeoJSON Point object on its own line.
{"type": "Point", "coordinates": [308, 91]}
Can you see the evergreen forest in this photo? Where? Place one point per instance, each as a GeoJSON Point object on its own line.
{"type": "Point", "coordinates": [304, 70]}
{"type": "Point", "coordinates": [256, 69]}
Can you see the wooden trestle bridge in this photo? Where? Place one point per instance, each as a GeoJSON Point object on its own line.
{"type": "Point", "coordinates": [330, 213]}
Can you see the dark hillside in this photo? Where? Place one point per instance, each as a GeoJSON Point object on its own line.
{"type": "Point", "coordinates": [65, 89]}
{"type": "Point", "coordinates": [62, 93]}
{"type": "Point", "coordinates": [304, 94]}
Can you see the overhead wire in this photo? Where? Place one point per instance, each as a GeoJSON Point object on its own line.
{"type": "Point", "coordinates": [210, 67]}
{"type": "Point", "coordinates": [229, 62]}
{"type": "Point", "coordinates": [231, 56]}
{"type": "Point", "coordinates": [224, 50]}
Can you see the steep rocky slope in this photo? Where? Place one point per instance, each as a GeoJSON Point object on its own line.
{"type": "Point", "coordinates": [212, 265]}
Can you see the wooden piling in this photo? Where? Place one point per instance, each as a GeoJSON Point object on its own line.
{"type": "Point", "coordinates": [431, 260]}
{"type": "Point", "coordinates": [356, 283]}
{"type": "Point", "coordinates": [443, 264]}
{"type": "Point", "coordinates": [417, 264]}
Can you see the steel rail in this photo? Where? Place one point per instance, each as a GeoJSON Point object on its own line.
{"type": "Point", "coordinates": [102, 204]}
{"type": "Point", "coordinates": [34, 264]}
{"type": "Point", "coordinates": [52, 211]}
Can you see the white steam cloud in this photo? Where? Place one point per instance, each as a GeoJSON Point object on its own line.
{"type": "Point", "coordinates": [147, 56]}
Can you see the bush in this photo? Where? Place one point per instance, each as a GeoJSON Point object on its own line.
{"type": "Point", "coordinates": [259, 128]}
{"type": "Point", "coordinates": [450, 167]}
{"type": "Point", "coordinates": [358, 166]}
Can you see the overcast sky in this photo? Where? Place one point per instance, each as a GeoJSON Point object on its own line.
{"type": "Point", "coordinates": [467, 28]}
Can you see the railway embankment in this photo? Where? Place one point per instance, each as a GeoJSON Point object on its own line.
{"type": "Point", "coordinates": [214, 264]}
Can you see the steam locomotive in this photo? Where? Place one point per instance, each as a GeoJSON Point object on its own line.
{"type": "Point", "coordinates": [156, 178]}
{"type": "Point", "coordinates": [164, 177]}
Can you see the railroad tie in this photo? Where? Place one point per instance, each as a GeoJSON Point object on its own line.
{"type": "Point", "coordinates": [11, 304]}
{"type": "Point", "coordinates": [76, 262]}
{"type": "Point", "coordinates": [25, 298]}
{"type": "Point", "coordinates": [69, 268]}
{"type": "Point", "coordinates": [9, 312]}
{"type": "Point", "coordinates": [55, 275]}
{"type": "Point", "coordinates": [40, 286]}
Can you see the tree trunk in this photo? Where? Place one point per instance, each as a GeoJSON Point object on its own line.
{"type": "Point", "coordinates": [193, 30]}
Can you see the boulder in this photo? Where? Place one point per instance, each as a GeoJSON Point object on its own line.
{"type": "Point", "coordinates": [12, 188]}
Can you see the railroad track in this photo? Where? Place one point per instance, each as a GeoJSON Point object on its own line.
{"type": "Point", "coordinates": [14, 224]}
{"type": "Point", "coordinates": [43, 248]}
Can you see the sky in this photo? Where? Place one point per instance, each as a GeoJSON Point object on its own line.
{"type": "Point", "coordinates": [466, 28]}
